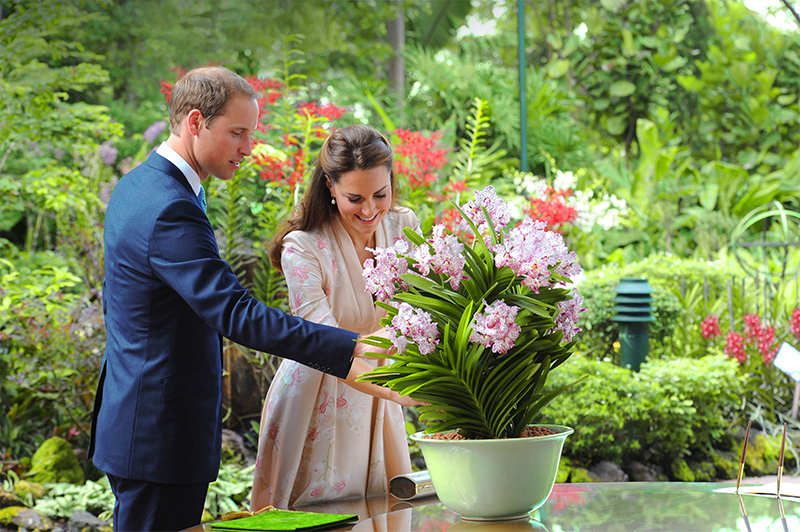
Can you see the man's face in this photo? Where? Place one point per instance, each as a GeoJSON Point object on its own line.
{"type": "Point", "coordinates": [221, 148]}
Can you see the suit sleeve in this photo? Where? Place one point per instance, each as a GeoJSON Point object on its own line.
{"type": "Point", "coordinates": [183, 255]}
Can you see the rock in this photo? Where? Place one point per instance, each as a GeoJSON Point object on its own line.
{"type": "Point", "coordinates": [8, 499]}
{"type": "Point", "coordinates": [32, 520]}
{"type": "Point", "coordinates": [23, 487]}
{"type": "Point", "coordinates": [726, 464]}
{"type": "Point", "coordinates": [54, 461]}
{"type": "Point", "coordinates": [768, 449]}
{"type": "Point", "coordinates": [579, 474]}
{"type": "Point", "coordinates": [234, 449]}
{"type": "Point", "coordinates": [703, 471]}
{"type": "Point", "coordinates": [681, 471]}
{"type": "Point", "coordinates": [607, 471]}
{"type": "Point", "coordinates": [83, 521]}
{"type": "Point", "coordinates": [8, 512]}
{"type": "Point", "coordinates": [639, 472]}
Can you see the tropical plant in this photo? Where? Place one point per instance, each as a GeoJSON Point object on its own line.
{"type": "Point", "coordinates": [480, 324]}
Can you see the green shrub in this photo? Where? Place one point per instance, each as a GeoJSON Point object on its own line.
{"type": "Point", "coordinates": [676, 328]}
{"type": "Point", "coordinates": [670, 409]}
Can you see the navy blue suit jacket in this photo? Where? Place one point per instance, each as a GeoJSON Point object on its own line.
{"type": "Point", "coordinates": [168, 300]}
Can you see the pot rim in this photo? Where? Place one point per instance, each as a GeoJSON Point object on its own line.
{"type": "Point", "coordinates": [561, 432]}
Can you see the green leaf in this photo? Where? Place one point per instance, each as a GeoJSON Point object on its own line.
{"type": "Point", "coordinates": [621, 89]}
{"type": "Point", "coordinates": [556, 68]}
{"type": "Point", "coordinates": [616, 125]}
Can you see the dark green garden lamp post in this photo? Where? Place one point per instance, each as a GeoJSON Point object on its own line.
{"type": "Point", "coordinates": [633, 315]}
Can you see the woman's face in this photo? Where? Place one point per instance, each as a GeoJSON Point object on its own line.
{"type": "Point", "coordinates": [363, 198]}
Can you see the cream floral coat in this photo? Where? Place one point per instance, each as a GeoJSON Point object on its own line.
{"type": "Point", "coordinates": [320, 439]}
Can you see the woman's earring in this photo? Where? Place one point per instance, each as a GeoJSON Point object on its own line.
{"type": "Point", "coordinates": [333, 201]}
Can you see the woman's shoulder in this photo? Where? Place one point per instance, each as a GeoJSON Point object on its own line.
{"type": "Point", "coordinates": [309, 240]}
{"type": "Point", "coordinates": [402, 217]}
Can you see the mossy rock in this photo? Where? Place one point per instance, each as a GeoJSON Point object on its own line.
{"type": "Point", "coordinates": [55, 461]}
{"type": "Point", "coordinates": [564, 470]}
{"type": "Point", "coordinates": [580, 474]}
{"type": "Point", "coordinates": [24, 487]}
{"type": "Point", "coordinates": [726, 467]}
{"type": "Point", "coordinates": [681, 471]}
{"type": "Point", "coordinates": [769, 448]}
{"type": "Point", "coordinates": [703, 471]}
{"type": "Point", "coordinates": [8, 499]}
{"type": "Point", "coordinates": [9, 513]}
{"type": "Point", "coordinates": [762, 455]}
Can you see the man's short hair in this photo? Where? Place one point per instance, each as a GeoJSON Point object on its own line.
{"type": "Point", "coordinates": [208, 89]}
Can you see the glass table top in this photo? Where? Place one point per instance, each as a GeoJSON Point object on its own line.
{"type": "Point", "coordinates": [606, 507]}
{"type": "Point", "coordinates": [593, 507]}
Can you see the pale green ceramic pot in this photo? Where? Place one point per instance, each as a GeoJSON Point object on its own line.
{"type": "Point", "coordinates": [494, 479]}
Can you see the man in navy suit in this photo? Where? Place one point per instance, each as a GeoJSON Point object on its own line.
{"type": "Point", "coordinates": [169, 299]}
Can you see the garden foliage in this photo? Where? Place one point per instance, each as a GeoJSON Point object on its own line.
{"type": "Point", "coordinates": [670, 409]}
{"type": "Point", "coordinates": [676, 118]}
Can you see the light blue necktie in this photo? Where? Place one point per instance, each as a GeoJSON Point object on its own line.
{"type": "Point", "coordinates": [201, 197]}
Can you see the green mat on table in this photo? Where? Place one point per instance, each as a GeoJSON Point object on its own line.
{"type": "Point", "coordinates": [284, 520]}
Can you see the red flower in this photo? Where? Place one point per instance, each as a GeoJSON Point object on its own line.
{"type": "Point", "coordinates": [552, 209]}
{"type": "Point", "coordinates": [734, 347]}
{"type": "Point", "coordinates": [709, 329]}
{"type": "Point", "coordinates": [767, 345]}
{"type": "Point", "coordinates": [752, 328]}
{"type": "Point", "coordinates": [417, 158]}
{"type": "Point", "coordinates": [328, 110]}
{"type": "Point", "coordinates": [794, 323]}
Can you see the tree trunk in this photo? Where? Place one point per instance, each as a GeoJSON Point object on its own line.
{"type": "Point", "coordinates": [396, 35]}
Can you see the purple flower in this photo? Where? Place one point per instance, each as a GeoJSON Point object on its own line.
{"type": "Point", "coordinates": [107, 153]}
{"type": "Point", "coordinates": [413, 325]}
{"type": "Point", "coordinates": [567, 317]}
{"type": "Point", "coordinates": [154, 130]}
{"type": "Point", "coordinates": [447, 258]}
{"type": "Point", "coordinates": [495, 206]}
{"type": "Point", "coordinates": [533, 253]}
{"type": "Point", "coordinates": [496, 327]}
{"type": "Point", "coordinates": [385, 270]}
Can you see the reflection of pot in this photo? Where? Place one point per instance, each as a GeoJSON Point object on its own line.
{"type": "Point", "coordinates": [494, 479]}
{"type": "Point", "coordinates": [520, 525]}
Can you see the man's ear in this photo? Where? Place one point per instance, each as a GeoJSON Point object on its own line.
{"type": "Point", "coordinates": [195, 121]}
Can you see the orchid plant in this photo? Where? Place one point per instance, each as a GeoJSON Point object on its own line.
{"type": "Point", "coordinates": [476, 320]}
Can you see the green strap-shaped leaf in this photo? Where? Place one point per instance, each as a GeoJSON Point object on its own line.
{"type": "Point", "coordinates": [415, 238]}
{"type": "Point", "coordinates": [540, 405]}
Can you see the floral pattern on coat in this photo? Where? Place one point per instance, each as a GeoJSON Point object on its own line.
{"type": "Point", "coordinates": [320, 439]}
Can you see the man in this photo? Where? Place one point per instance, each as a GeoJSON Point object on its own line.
{"type": "Point", "coordinates": [168, 300]}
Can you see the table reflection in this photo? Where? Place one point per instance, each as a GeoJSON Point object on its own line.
{"type": "Point", "coordinates": [623, 507]}
{"type": "Point", "coordinates": [595, 507]}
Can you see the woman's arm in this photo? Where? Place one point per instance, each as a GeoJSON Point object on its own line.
{"type": "Point", "coordinates": [308, 300]}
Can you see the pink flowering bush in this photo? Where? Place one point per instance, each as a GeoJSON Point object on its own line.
{"type": "Point", "coordinates": [477, 319]}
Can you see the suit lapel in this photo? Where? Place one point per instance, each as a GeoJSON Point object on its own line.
{"type": "Point", "coordinates": [161, 164]}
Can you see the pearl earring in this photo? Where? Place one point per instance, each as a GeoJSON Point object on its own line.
{"type": "Point", "coordinates": [333, 201]}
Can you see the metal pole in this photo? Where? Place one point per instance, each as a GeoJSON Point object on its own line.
{"type": "Point", "coordinates": [523, 126]}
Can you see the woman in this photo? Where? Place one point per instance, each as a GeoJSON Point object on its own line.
{"type": "Point", "coordinates": [321, 437]}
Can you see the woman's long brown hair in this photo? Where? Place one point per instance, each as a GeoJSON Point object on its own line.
{"type": "Point", "coordinates": [357, 147]}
